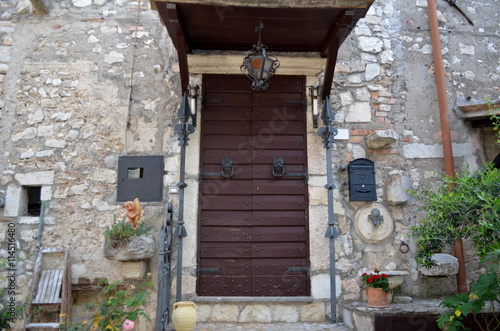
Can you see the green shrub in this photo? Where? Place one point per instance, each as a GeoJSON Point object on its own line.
{"type": "Point", "coordinates": [122, 232]}
{"type": "Point", "coordinates": [119, 303]}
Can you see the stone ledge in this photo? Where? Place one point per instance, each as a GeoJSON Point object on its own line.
{"type": "Point", "coordinates": [283, 300]}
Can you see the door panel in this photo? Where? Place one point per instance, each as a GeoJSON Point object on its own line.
{"type": "Point", "coordinates": [253, 227]}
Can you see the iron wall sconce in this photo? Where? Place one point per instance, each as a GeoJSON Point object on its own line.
{"type": "Point", "coordinates": [314, 92]}
{"type": "Point", "coordinates": [192, 91]}
{"type": "Point", "coordinates": [257, 65]}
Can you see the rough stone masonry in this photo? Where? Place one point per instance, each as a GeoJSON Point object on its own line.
{"type": "Point", "coordinates": [91, 80]}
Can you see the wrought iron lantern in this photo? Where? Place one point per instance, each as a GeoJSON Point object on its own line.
{"type": "Point", "coordinates": [192, 91]}
{"type": "Point", "coordinates": [258, 65]}
{"type": "Point", "coordinates": [314, 92]}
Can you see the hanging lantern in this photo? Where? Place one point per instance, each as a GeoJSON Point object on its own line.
{"type": "Point", "coordinates": [257, 65]}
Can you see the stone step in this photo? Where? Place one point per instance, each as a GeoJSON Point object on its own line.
{"type": "Point", "coordinates": [262, 310]}
{"type": "Point", "coordinates": [267, 327]}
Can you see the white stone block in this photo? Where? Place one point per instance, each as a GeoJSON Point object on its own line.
{"type": "Point", "coordinates": [114, 57]}
{"type": "Point", "coordinates": [134, 270]}
{"type": "Point", "coordinates": [12, 201]}
{"type": "Point", "coordinates": [105, 175]}
{"type": "Point", "coordinates": [35, 117]}
{"type": "Point", "coordinates": [343, 134]}
{"type": "Point", "coordinates": [36, 178]}
{"type": "Point", "coordinates": [82, 3]}
{"type": "Point", "coordinates": [28, 133]}
{"type": "Point", "coordinates": [61, 117]}
{"type": "Point", "coordinates": [370, 44]}
{"type": "Point", "coordinates": [444, 265]}
{"type": "Point", "coordinates": [359, 112]}
{"type": "Point", "coordinates": [56, 143]}
{"type": "Point", "coordinates": [320, 286]}
{"type": "Point", "coordinates": [372, 71]}
{"type": "Point", "coordinates": [46, 193]}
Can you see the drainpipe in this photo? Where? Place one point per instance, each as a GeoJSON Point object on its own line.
{"type": "Point", "coordinates": [445, 128]}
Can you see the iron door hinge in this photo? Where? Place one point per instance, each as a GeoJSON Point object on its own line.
{"type": "Point", "coordinates": [200, 270]}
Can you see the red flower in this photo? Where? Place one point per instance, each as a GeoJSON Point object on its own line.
{"type": "Point", "coordinates": [376, 276]}
{"type": "Point", "coordinates": [370, 280]}
{"type": "Point", "coordinates": [384, 275]}
{"type": "Point", "coordinates": [364, 274]}
{"type": "Point", "coordinates": [376, 271]}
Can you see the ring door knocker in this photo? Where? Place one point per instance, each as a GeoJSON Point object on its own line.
{"type": "Point", "coordinates": [278, 167]}
{"type": "Point", "coordinates": [227, 167]}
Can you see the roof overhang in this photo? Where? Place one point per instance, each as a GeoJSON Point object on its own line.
{"type": "Point", "coordinates": [315, 27]}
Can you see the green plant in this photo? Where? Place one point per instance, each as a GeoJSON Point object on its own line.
{"type": "Point", "coordinates": [119, 304]}
{"type": "Point", "coordinates": [485, 290]}
{"type": "Point", "coordinates": [9, 310]}
{"type": "Point", "coordinates": [376, 280]}
{"type": "Point", "coordinates": [495, 119]}
{"type": "Point", "coordinates": [122, 232]}
{"type": "Point", "coordinates": [467, 206]}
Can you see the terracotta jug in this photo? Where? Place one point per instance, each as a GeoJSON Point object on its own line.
{"type": "Point", "coordinates": [184, 316]}
{"type": "Point", "coordinates": [377, 298]}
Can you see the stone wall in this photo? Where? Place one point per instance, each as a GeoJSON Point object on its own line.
{"type": "Point", "coordinates": [96, 79]}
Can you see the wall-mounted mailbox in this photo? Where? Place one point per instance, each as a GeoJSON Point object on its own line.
{"type": "Point", "coordinates": [362, 185]}
{"type": "Point", "coordinates": [140, 177]}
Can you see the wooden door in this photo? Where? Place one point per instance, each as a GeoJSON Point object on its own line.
{"type": "Point", "coordinates": [253, 223]}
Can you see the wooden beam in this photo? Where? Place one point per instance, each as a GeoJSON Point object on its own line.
{"type": "Point", "coordinates": [280, 3]}
{"type": "Point", "coordinates": [331, 48]}
{"type": "Point", "coordinates": [179, 39]}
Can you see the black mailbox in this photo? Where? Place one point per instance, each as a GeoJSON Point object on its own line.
{"type": "Point", "coordinates": [140, 177]}
{"type": "Point", "coordinates": [362, 180]}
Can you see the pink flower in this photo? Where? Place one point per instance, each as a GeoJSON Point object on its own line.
{"type": "Point", "coordinates": [128, 325]}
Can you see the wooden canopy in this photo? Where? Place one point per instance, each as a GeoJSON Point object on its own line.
{"type": "Point", "coordinates": [315, 26]}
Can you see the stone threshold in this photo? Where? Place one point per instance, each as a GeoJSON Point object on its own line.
{"type": "Point", "coordinates": [255, 300]}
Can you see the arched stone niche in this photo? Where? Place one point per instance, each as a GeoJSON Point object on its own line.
{"type": "Point", "coordinates": [367, 230]}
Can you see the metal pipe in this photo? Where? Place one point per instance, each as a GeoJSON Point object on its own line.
{"type": "Point", "coordinates": [180, 224]}
{"type": "Point", "coordinates": [445, 127]}
{"type": "Point", "coordinates": [328, 132]}
{"type": "Point", "coordinates": [183, 129]}
{"type": "Point", "coordinates": [40, 229]}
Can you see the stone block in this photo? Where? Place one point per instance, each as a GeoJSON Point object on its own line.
{"type": "Point", "coordinates": [396, 192]}
{"type": "Point", "coordinates": [139, 248]}
{"type": "Point", "coordinates": [224, 313]}
{"type": "Point", "coordinates": [444, 265]}
{"type": "Point", "coordinates": [314, 312]}
{"type": "Point", "coordinates": [283, 313]}
{"type": "Point", "coordinates": [359, 112]}
{"type": "Point", "coordinates": [255, 313]}
{"type": "Point", "coordinates": [363, 322]}
{"type": "Point", "coordinates": [320, 286]}
{"type": "Point", "coordinates": [36, 178]}
{"type": "Point", "coordinates": [381, 138]}
{"type": "Point", "coordinates": [12, 201]}
{"type": "Point", "coordinates": [134, 270]}
{"type": "Point", "coordinates": [347, 318]}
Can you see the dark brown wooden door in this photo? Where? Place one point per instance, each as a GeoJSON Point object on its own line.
{"type": "Point", "coordinates": [253, 228]}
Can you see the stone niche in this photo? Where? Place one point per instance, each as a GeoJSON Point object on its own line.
{"type": "Point", "coordinates": [365, 227]}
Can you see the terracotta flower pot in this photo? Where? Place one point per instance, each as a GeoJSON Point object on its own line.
{"type": "Point", "coordinates": [377, 298]}
{"type": "Point", "coordinates": [184, 316]}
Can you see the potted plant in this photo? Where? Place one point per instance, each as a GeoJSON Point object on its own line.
{"type": "Point", "coordinates": [377, 288]}
{"type": "Point", "coordinates": [128, 239]}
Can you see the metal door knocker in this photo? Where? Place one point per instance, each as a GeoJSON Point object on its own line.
{"type": "Point", "coordinates": [227, 167]}
{"type": "Point", "coordinates": [278, 167]}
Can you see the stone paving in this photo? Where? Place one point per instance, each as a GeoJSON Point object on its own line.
{"type": "Point", "coordinates": [269, 327]}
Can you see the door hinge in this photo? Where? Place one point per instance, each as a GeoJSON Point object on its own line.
{"type": "Point", "coordinates": [300, 269]}
{"type": "Point", "coordinates": [200, 270]}
{"type": "Point", "coordinates": [297, 102]}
